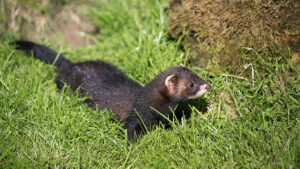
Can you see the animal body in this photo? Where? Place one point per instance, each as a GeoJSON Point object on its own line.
{"type": "Point", "coordinates": [107, 87]}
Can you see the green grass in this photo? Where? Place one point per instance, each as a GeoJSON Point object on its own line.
{"type": "Point", "coordinates": [42, 127]}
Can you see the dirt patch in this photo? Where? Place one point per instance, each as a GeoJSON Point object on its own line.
{"type": "Point", "coordinates": [220, 30]}
{"type": "Point", "coordinates": [60, 24]}
{"type": "Point", "coordinates": [73, 27]}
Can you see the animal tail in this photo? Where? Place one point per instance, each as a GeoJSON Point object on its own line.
{"type": "Point", "coordinates": [44, 54]}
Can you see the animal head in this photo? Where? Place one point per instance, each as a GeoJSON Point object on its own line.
{"type": "Point", "coordinates": [182, 84]}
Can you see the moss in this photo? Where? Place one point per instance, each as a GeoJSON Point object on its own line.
{"type": "Point", "coordinates": [219, 30]}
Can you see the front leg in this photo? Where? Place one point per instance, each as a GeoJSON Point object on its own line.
{"type": "Point", "coordinates": [134, 130]}
{"type": "Point", "coordinates": [135, 127]}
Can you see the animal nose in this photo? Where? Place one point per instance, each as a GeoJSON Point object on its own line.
{"type": "Point", "coordinates": [207, 86]}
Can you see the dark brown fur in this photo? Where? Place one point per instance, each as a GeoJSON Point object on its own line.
{"type": "Point", "coordinates": [107, 87]}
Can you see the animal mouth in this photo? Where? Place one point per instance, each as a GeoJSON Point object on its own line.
{"type": "Point", "coordinates": [202, 90]}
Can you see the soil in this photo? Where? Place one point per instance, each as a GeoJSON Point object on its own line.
{"type": "Point", "coordinates": [60, 24]}
{"type": "Point", "coordinates": [72, 27]}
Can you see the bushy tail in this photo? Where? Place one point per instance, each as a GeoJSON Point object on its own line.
{"type": "Point", "coordinates": [43, 53]}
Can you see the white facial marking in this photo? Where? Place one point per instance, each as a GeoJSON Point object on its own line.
{"type": "Point", "coordinates": [202, 90]}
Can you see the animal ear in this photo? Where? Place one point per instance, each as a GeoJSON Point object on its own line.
{"type": "Point", "coordinates": [170, 82]}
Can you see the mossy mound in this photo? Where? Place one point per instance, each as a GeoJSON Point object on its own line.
{"type": "Point", "coordinates": [220, 30]}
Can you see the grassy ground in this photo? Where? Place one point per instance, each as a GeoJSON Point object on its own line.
{"type": "Point", "coordinates": [250, 123]}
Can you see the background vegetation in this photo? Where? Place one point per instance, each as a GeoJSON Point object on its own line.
{"type": "Point", "coordinates": [218, 31]}
{"type": "Point", "coordinates": [252, 119]}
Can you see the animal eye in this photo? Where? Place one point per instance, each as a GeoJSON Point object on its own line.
{"type": "Point", "coordinates": [191, 84]}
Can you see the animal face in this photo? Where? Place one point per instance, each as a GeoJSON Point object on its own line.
{"type": "Point", "coordinates": [184, 84]}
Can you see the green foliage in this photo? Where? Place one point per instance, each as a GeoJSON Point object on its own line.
{"type": "Point", "coordinates": [42, 127]}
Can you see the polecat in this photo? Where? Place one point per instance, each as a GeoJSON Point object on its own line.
{"type": "Point", "coordinates": [107, 87]}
